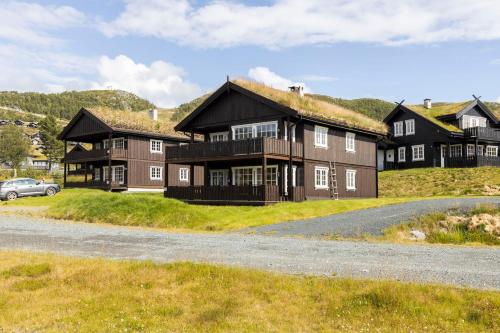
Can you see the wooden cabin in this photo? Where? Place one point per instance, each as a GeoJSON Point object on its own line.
{"type": "Point", "coordinates": [118, 150]}
{"type": "Point", "coordinates": [263, 145]}
{"type": "Point", "coordinates": [441, 135]}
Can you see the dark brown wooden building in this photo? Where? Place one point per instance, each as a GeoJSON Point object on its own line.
{"type": "Point", "coordinates": [118, 150]}
{"type": "Point", "coordinates": [254, 135]}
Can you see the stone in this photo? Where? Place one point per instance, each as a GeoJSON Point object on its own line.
{"type": "Point", "coordinates": [417, 234]}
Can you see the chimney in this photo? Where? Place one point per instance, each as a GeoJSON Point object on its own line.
{"type": "Point", "coordinates": [153, 114]}
{"type": "Point", "coordinates": [297, 89]}
{"type": "Point", "coordinates": [427, 103]}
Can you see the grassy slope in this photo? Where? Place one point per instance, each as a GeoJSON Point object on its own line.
{"type": "Point", "coordinates": [436, 181]}
{"type": "Point", "coordinates": [88, 295]}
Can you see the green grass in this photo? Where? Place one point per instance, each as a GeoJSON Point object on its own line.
{"type": "Point", "coordinates": [90, 295]}
{"type": "Point", "coordinates": [426, 182]}
{"type": "Point", "coordinates": [152, 210]}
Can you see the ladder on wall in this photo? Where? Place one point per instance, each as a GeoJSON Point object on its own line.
{"type": "Point", "coordinates": [334, 194]}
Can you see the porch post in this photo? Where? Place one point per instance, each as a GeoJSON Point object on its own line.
{"type": "Point", "coordinates": [191, 174]}
{"type": "Point", "coordinates": [475, 153]}
{"type": "Point", "coordinates": [206, 180]}
{"type": "Point", "coordinates": [448, 152]}
{"type": "Point", "coordinates": [110, 150]}
{"type": "Point", "coordinates": [264, 177]}
{"type": "Point", "coordinates": [192, 136]}
{"type": "Point", "coordinates": [290, 157]}
{"type": "Point", "coordinates": [85, 173]}
{"type": "Point", "coordinates": [64, 172]}
{"type": "Point", "coordinates": [166, 175]}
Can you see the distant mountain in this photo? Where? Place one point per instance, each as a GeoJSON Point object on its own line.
{"type": "Point", "coordinates": [65, 105]}
{"type": "Point", "coordinates": [180, 112]}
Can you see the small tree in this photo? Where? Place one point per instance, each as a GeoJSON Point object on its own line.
{"type": "Point", "coordinates": [14, 146]}
{"type": "Point", "coordinates": [53, 148]}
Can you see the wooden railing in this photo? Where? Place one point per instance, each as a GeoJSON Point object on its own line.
{"type": "Point", "coordinates": [485, 133]}
{"type": "Point", "coordinates": [224, 194]}
{"type": "Point", "coordinates": [472, 161]}
{"type": "Point", "coordinates": [95, 184]}
{"type": "Point", "coordinates": [94, 154]}
{"type": "Point", "coordinates": [203, 150]}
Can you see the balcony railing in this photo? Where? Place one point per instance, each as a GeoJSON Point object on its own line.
{"type": "Point", "coordinates": [94, 155]}
{"type": "Point", "coordinates": [483, 133]}
{"type": "Point", "coordinates": [256, 146]}
{"type": "Point", "coordinates": [472, 161]}
{"type": "Point", "coordinates": [95, 184]}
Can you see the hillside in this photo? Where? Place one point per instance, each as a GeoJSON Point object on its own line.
{"type": "Point", "coordinates": [180, 112]}
{"type": "Point", "coordinates": [65, 105]}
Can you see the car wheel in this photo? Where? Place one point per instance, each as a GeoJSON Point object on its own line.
{"type": "Point", "coordinates": [11, 196]}
{"type": "Point", "coordinates": [50, 191]}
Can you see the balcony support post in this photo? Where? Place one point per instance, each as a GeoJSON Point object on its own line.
{"type": "Point", "coordinates": [206, 180]}
{"type": "Point", "coordinates": [110, 150]}
{"type": "Point", "coordinates": [166, 175]}
{"type": "Point", "coordinates": [85, 177]}
{"type": "Point", "coordinates": [264, 177]}
{"type": "Point", "coordinates": [191, 174]}
{"type": "Point", "coordinates": [290, 156]}
{"type": "Point", "coordinates": [65, 164]}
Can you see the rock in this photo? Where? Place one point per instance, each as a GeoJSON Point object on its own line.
{"type": "Point", "coordinates": [417, 234]}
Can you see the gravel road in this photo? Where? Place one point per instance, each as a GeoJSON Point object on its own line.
{"type": "Point", "coordinates": [367, 221]}
{"type": "Point", "coordinates": [460, 266]}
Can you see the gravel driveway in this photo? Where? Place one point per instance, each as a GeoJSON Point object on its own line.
{"type": "Point", "coordinates": [461, 266]}
{"type": "Point", "coordinates": [370, 221]}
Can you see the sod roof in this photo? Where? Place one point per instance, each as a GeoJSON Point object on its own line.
{"type": "Point", "coordinates": [314, 108]}
{"type": "Point", "coordinates": [438, 110]}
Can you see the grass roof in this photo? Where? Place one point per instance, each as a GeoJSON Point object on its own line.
{"type": "Point", "coordinates": [135, 121]}
{"type": "Point", "coordinates": [440, 109]}
{"type": "Point", "coordinates": [314, 108]}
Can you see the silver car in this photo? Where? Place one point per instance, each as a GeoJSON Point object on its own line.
{"type": "Point", "coordinates": [24, 187]}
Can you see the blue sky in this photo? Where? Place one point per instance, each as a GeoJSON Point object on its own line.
{"type": "Point", "coordinates": [172, 51]}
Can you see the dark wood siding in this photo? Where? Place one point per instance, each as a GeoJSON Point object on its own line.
{"type": "Point", "coordinates": [85, 126]}
{"type": "Point", "coordinates": [139, 149]}
{"type": "Point", "coordinates": [139, 174]}
{"type": "Point", "coordinates": [173, 175]}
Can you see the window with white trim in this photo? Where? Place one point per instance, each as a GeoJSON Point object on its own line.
{"type": "Point", "coordinates": [480, 150]}
{"type": "Point", "coordinates": [155, 146]}
{"type": "Point", "coordinates": [97, 174]}
{"type": "Point", "coordinates": [350, 143]}
{"type": "Point", "coordinates": [456, 151]}
{"type": "Point", "coordinates": [97, 146]}
{"type": "Point", "coordinates": [184, 174]}
{"type": "Point", "coordinates": [350, 180]}
{"type": "Point", "coordinates": [285, 177]}
{"type": "Point", "coordinates": [252, 175]}
{"type": "Point", "coordinates": [321, 177]}
{"type": "Point", "coordinates": [218, 177]}
{"type": "Point", "coordinates": [473, 121]}
{"type": "Point", "coordinates": [321, 136]}
{"type": "Point", "coordinates": [218, 137]}
{"type": "Point", "coordinates": [491, 151]}
{"type": "Point", "coordinates": [286, 132]}
{"type": "Point", "coordinates": [402, 154]}
{"type": "Point", "coordinates": [119, 143]}
{"type": "Point", "coordinates": [155, 173]}
{"type": "Point", "coordinates": [470, 150]}
{"type": "Point", "coordinates": [257, 130]}
{"type": "Point", "coordinates": [418, 153]}
{"type": "Point", "coordinates": [410, 126]}
{"type": "Point", "coordinates": [105, 144]}
{"type": "Point", "coordinates": [398, 128]}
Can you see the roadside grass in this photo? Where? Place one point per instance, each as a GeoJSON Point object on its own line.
{"type": "Point", "coordinates": [426, 182]}
{"type": "Point", "coordinates": [89, 295]}
{"type": "Point", "coordinates": [438, 230]}
{"type": "Point", "coordinates": [153, 210]}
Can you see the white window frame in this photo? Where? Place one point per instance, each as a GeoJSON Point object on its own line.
{"type": "Point", "coordinates": [105, 171]}
{"type": "Point", "coordinates": [122, 140]}
{"type": "Point", "coordinates": [97, 146]}
{"type": "Point", "coordinates": [217, 135]}
{"type": "Point", "coordinates": [285, 177]}
{"type": "Point", "coordinates": [256, 170]}
{"type": "Point", "coordinates": [152, 173]}
{"type": "Point", "coordinates": [491, 151]}
{"type": "Point", "coordinates": [480, 150]}
{"type": "Point", "coordinates": [452, 150]}
{"type": "Point", "coordinates": [403, 150]}
{"type": "Point", "coordinates": [152, 146]}
{"type": "Point", "coordinates": [416, 148]}
{"type": "Point", "coordinates": [254, 128]}
{"type": "Point", "coordinates": [225, 173]}
{"type": "Point", "coordinates": [410, 126]}
{"type": "Point", "coordinates": [398, 128]}
{"type": "Point", "coordinates": [350, 179]}
{"type": "Point", "coordinates": [183, 174]}
{"type": "Point", "coordinates": [105, 144]}
{"type": "Point", "coordinates": [320, 136]}
{"type": "Point", "coordinates": [467, 121]}
{"type": "Point", "coordinates": [286, 132]}
{"type": "Point", "coordinates": [471, 151]}
{"type": "Point", "coordinates": [319, 185]}
{"type": "Point", "coordinates": [350, 142]}
{"type": "Point", "coordinates": [97, 174]}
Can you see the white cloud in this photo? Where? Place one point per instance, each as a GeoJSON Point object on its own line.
{"type": "Point", "coordinates": [318, 78]}
{"type": "Point", "coordinates": [286, 23]}
{"type": "Point", "coordinates": [498, 99]}
{"type": "Point", "coordinates": [271, 79]}
{"type": "Point", "coordinates": [161, 82]}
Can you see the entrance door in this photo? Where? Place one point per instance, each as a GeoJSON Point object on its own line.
{"type": "Point", "coordinates": [118, 174]}
{"type": "Point", "coordinates": [443, 155]}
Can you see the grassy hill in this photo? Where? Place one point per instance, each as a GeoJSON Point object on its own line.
{"type": "Point", "coordinates": [65, 105]}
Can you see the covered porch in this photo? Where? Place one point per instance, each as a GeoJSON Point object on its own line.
{"type": "Point", "coordinates": [96, 174]}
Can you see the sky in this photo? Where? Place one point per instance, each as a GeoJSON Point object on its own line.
{"type": "Point", "coordinates": [171, 51]}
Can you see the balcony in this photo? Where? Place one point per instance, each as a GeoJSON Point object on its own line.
{"type": "Point", "coordinates": [96, 184]}
{"type": "Point", "coordinates": [472, 161]}
{"type": "Point", "coordinates": [205, 151]}
{"type": "Point", "coordinates": [483, 133]}
{"type": "Point", "coordinates": [78, 156]}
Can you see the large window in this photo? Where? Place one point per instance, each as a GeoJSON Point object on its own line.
{"type": "Point", "coordinates": [321, 177]}
{"type": "Point", "coordinates": [473, 121]}
{"type": "Point", "coordinates": [118, 143]}
{"type": "Point", "coordinates": [155, 173]}
{"type": "Point", "coordinates": [258, 130]}
{"type": "Point", "coordinates": [402, 154]}
{"type": "Point", "coordinates": [294, 177]}
{"type": "Point", "coordinates": [350, 142]}
{"type": "Point", "coordinates": [480, 150]}
{"type": "Point", "coordinates": [350, 180]}
{"type": "Point", "coordinates": [218, 177]}
{"type": "Point", "coordinates": [97, 174]}
{"type": "Point", "coordinates": [268, 130]}
{"type": "Point", "coordinates": [491, 151]}
{"type": "Point", "coordinates": [155, 146]}
{"type": "Point", "coordinates": [470, 150]}
{"type": "Point", "coordinates": [455, 150]}
{"type": "Point", "coordinates": [184, 174]}
{"type": "Point", "coordinates": [410, 126]}
{"type": "Point", "coordinates": [321, 136]}
{"type": "Point", "coordinates": [398, 128]}
{"type": "Point", "coordinates": [418, 153]}
{"type": "Point", "coordinates": [252, 176]}
{"type": "Point", "coordinates": [218, 137]}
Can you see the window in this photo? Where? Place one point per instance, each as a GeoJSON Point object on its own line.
{"type": "Point", "coordinates": [321, 178]}
{"type": "Point", "coordinates": [105, 144]}
{"type": "Point", "coordinates": [418, 153]}
{"type": "Point", "coordinates": [410, 126]}
{"type": "Point", "coordinates": [155, 146]}
{"type": "Point", "coordinates": [97, 146]}
{"type": "Point", "coordinates": [491, 151]}
{"type": "Point", "coordinates": [350, 180]}
{"type": "Point", "coordinates": [350, 143]}
{"type": "Point", "coordinates": [294, 177]}
{"type": "Point", "coordinates": [268, 130]}
{"type": "Point", "coordinates": [218, 177]}
{"type": "Point", "coordinates": [258, 130]}
{"type": "Point", "coordinates": [155, 173]}
{"type": "Point", "coordinates": [455, 150]}
{"type": "Point", "coordinates": [105, 173]}
{"type": "Point", "coordinates": [398, 128]}
{"type": "Point", "coordinates": [242, 133]}
{"type": "Point", "coordinates": [286, 132]}
{"type": "Point", "coordinates": [402, 154]}
{"type": "Point", "coordinates": [473, 121]}
{"type": "Point", "coordinates": [252, 175]}
{"type": "Point", "coordinates": [97, 174]}
{"type": "Point", "coordinates": [118, 174]}
{"type": "Point", "coordinates": [218, 137]}
{"type": "Point", "coordinates": [184, 174]}
{"type": "Point", "coordinates": [480, 150]}
{"type": "Point", "coordinates": [320, 136]}
{"type": "Point", "coordinates": [119, 143]}
{"type": "Point", "coordinates": [470, 150]}
{"type": "Point", "coordinates": [243, 176]}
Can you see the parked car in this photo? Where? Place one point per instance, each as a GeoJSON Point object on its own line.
{"type": "Point", "coordinates": [25, 187]}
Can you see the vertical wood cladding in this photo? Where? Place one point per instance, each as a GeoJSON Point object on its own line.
{"type": "Point", "coordinates": [139, 148]}
{"type": "Point", "coordinates": [174, 179]}
{"type": "Point", "coordinates": [85, 126]}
